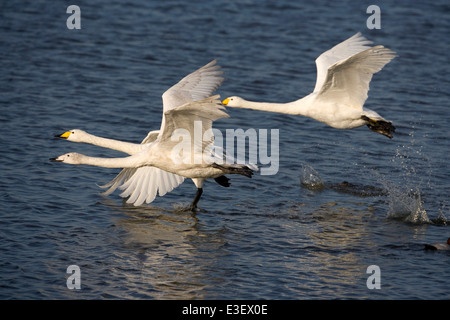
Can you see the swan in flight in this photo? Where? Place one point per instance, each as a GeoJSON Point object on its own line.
{"type": "Point", "coordinates": [138, 184]}
{"type": "Point", "coordinates": [143, 183]}
{"type": "Point", "coordinates": [161, 153]}
{"type": "Point", "coordinates": [343, 76]}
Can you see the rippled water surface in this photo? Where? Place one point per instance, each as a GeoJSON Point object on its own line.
{"type": "Point", "coordinates": [340, 202]}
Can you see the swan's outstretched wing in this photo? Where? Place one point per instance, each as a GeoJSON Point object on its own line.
{"type": "Point", "coordinates": [193, 118]}
{"type": "Point", "coordinates": [146, 182]}
{"type": "Point", "coordinates": [341, 51]}
{"type": "Point", "coordinates": [143, 184]}
{"type": "Point", "coordinates": [197, 85]}
{"type": "Point", "coordinates": [347, 81]}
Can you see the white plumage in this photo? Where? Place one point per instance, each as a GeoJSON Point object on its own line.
{"type": "Point", "coordinates": [150, 169]}
{"type": "Point", "coordinates": [343, 76]}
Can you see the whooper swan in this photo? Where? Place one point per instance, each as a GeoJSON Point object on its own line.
{"type": "Point", "coordinates": [143, 183]}
{"type": "Point", "coordinates": [343, 76]}
{"type": "Point", "coordinates": [160, 153]}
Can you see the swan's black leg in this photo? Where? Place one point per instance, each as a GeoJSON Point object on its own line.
{"type": "Point", "coordinates": [197, 198]}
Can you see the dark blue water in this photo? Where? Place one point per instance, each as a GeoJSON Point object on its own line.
{"type": "Point", "coordinates": [272, 237]}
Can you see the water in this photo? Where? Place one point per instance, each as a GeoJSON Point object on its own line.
{"type": "Point", "coordinates": [272, 237]}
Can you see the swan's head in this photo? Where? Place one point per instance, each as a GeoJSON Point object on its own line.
{"type": "Point", "coordinates": [71, 158]}
{"type": "Point", "coordinates": [75, 135]}
{"type": "Point", "coordinates": [233, 101]}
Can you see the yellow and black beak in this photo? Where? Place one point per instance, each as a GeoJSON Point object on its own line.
{"type": "Point", "coordinates": [65, 135]}
{"type": "Point", "coordinates": [226, 101]}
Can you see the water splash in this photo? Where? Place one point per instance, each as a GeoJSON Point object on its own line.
{"type": "Point", "coordinates": [406, 205]}
{"type": "Point", "coordinates": [442, 219]}
{"type": "Point", "coordinates": [310, 178]}
{"type": "Point", "coordinates": [404, 196]}
{"type": "Point", "coordinates": [405, 202]}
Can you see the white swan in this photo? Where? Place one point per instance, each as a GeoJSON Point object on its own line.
{"type": "Point", "coordinates": [138, 184]}
{"type": "Point", "coordinates": [160, 153]}
{"type": "Point", "coordinates": [343, 76]}
{"type": "Point", "coordinates": [142, 184]}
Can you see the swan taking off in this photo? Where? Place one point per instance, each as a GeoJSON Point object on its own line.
{"type": "Point", "coordinates": [161, 154]}
{"type": "Point", "coordinates": [143, 183]}
{"type": "Point", "coordinates": [343, 76]}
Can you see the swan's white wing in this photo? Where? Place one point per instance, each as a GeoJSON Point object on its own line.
{"type": "Point", "coordinates": [348, 80]}
{"type": "Point", "coordinates": [192, 117]}
{"type": "Point", "coordinates": [151, 136]}
{"type": "Point", "coordinates": [146, 182]}
{"type": "Point", "coordinates": [341, 51]}
{"type": "Point", "coordinates": [197, 85]}
{"type": "Point", "coordinates": [143, 184]}
{"type": "Point", "coordinates": [118, 180]}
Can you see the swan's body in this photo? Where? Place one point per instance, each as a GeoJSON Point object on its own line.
{"type": "Point", "coordinates": [343, 76]}
{"type": "Point", "coordinates": [439, 246]}
{"type": "Point", "coordinates": [142, 178]}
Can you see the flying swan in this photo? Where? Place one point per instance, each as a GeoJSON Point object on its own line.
{"type": "Point", "coordinates": [343, 76]}
{"type": "Point", "coordinates": [160, 153]}
{"type": "Point", "coordinates": [142, 182]}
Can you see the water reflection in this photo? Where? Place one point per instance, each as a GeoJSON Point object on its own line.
{"type": "Point", "coordinates": [165, 254]}
{"type": "Point", "coordinates": [335, 243]}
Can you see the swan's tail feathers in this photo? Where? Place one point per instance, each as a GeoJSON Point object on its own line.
{"type": "Point", "coordinates": [381, 126]}
{"type": "Point", "coordinates": [143, 184]}
{"type": "Point", "coordinates": [223, 181]}
{"type": "Point", "coordinates": [221, 156]}
{"type": "Point", "coordinates": [241, 169]}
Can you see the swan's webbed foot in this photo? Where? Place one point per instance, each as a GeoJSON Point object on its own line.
{"type": "Point", "coordinates": [223, 181]}
{"type": "Point", "coordinates": [386, 128]}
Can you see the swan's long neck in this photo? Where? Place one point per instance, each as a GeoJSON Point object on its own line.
{"type": "Point", "coordinates": [127, 162]}
{"type": "Point", "coordinates": [126, 147]}
{"type": "Point", "coordinates": [300, 107]}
